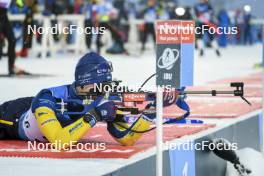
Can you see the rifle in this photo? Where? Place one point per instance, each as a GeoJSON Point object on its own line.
{"type": "Point", "coordinates": [135, 98]}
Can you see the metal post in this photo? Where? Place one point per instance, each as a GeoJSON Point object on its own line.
{"type": "Point", "coordinates": [159, 132]}
{"type": "Point", "coordinates": [262, 88]}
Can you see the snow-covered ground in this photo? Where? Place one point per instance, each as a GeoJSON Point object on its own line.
{"type": "Point", "coordinates": [250, 159]}
{"type": "Point", "coordinates": [235, 61]}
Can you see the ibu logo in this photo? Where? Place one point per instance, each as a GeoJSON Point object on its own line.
{"type": "Point", "coordinates": [168, 58]}
{"type": "Point", "coordinates": [167, 76]}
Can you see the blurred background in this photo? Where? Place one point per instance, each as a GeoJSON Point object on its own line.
{"type": "Point", "coordinates": [129, 40]}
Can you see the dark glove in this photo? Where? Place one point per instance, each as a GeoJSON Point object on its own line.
{"type": "Point", "coordinates": [106, 110]}
{"type": "Point", "coordinates": [91, 118]}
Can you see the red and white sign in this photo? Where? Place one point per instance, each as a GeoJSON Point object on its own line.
{"type": "Point", "coordinates": [175, 32]}
{"type": "Point", "coordinates": [134, 97]}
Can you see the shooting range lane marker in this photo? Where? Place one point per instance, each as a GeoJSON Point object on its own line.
{"type": "Point", "coordinates": [174, 67]}
{"type": "Point", "coordinates": [159, 131]}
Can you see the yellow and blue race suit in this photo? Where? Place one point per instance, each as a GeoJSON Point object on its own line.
{"type": "Point", "coordinates": [36, 119]}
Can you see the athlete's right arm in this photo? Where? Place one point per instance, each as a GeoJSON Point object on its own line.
{"type": "Point", "coordinates": [43, 107]}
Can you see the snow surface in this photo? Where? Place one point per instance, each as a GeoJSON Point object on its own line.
{"type": "Point", "coordinates": [252, 160]}
{"type": "Point", "coordinates": [235, 61]}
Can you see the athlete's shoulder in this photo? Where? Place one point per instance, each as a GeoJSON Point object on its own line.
{"type": "Point", "coordinates": [47, 97]}
{"type": "Point", "coordinates": [60, 91]}
{"type": "Point", "coordinates": [57, 92]}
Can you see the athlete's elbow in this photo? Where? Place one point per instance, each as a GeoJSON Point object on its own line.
{"type": "Point", "coordinates": [126, 141]}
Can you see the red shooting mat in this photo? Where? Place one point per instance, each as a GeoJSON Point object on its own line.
{"type": "Point", "coordinates": [98, 135]}
{"type": "Point", "coordinates": [215, 107]}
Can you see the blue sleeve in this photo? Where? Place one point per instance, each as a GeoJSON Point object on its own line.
{"type": "Point", "coordinates": [44, 99]}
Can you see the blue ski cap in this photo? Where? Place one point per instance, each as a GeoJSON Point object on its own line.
{"type": "Point", "coordinates": [92, 68]}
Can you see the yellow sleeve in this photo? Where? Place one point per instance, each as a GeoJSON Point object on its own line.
{"type": "Point", "coordinates": [126, 136]}
{"type": "Point", "coordinates": [55, 133]}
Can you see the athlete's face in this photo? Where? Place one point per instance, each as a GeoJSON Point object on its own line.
{"type": "Point", "coordinates": [84, 89]}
